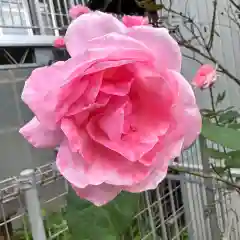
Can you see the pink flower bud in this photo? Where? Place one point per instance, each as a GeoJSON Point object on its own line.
{"type": "Point", "coordinates": [205, 77]}
{"type": "Point", "coordinates": [59, 42]}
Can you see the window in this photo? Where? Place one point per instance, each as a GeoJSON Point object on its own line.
{"type": "Point", "coordinates": [14, 18]}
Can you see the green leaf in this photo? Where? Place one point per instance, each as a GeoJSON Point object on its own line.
{"type": "Point", "coordinates": [214, 153]}
{"type": "Point", "coordinates": [88, 222]}
{"type": "Point", "coordinates": [227, 137]}
{"type": "Point", "coordinates": [220, 97]}
{"type": "Point", "coordinates": [229, 116]}
{"type": "Point", "coordinates": [234, 160]}
{"type": "Point", "coordinates": [149, 5]}
{"type": "Point", "coordinates": [234, 125]}
{"type": "Point", "coordinates": [154, 7]}
{"type": "Point", "coordinates": [209, 114]}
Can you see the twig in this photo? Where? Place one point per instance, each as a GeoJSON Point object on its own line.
{"type": "Point", "coordinates": [212, 32]}
{"type": "Point", "coordinates": [187, 44]}
{"type": "Point", "coordinates": [204, 175]}
{"type": "Point", "coordinates": [235, 4]}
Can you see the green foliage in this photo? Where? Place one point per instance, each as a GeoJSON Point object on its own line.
{"type": "Point", "coordinates": [225, 136]}
{"type": "Point", "coordinates": [149, 5]}
{"type": "Point", "coordinates": [235, 126]}
{"type": "Point", "coordinates": [88, 222]}
{"type": "Point", "coordinates": [53, 223]}
{"type": "Point", "coordinates": [224, 117]}
{"type": "Point", "coordinates": [233, 161]}
{"type": "Point", "coordinates": [228, 117]}
{"type": "Point", "coordinates": [216, 154]}
{"type": "Point", "coordinates": [220, 97]}
{"type": "Point", "coordinates": [231, 158]}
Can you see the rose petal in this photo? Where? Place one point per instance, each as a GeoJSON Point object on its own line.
{"type": "Point", "coordinates": [39, 136]}
{"type": "Point", "coordinates": [42, 88]}
{"type": "Point", "coordinates": [70, 126]}
{"type": "Point", "coordinates": [100, 164]}
{"type": "Point", "coordinates": [150, 89]}
{"type": "Point", "coordinates": [112, 124]}
{"type": "Point", "coordinates": [79, 94]}
{"type": "Point", "coordinates": [78, 10]}
{"type": "Point", "coordinates": [45, 90]}
{"type": "Point", "coordinates": [99, 194]}
{"type": "Point", "coordinates": [89, 26]}
{"type": "Point", "coordinates": [129, 148]}
{"type": "Point", "coordinates": [117, 81]}
{"type": "Point", "coordinates": [101, 101]}
{"type": "Point", "coordinates": [186, 111]}
{"type": "Point", "coordinates": [72, 166]}
{"type": "Point", "coordinates": [165, 49]}
{"type": "Point", "coordinates": [166, 152]}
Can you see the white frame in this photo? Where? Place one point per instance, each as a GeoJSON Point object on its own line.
{"type": "Point", "coordinates": [25, 11]}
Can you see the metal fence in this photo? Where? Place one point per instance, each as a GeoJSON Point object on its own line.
{"type": "Point", "coordinates": [35, 17]}
{"type": "Point", "coordinates": [183, 207]}
{"type": "Point", "coordinates": [33, 22]}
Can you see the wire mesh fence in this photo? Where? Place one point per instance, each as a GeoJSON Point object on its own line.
{"type": "Point", "coordinates": [183, 207]}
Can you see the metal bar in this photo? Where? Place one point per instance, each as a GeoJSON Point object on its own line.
{"type": "Point", "coordinates": [10, 13]}
{"type": "Point", "coordinates": [160, 208]}
{"type": "Point", "coordinates": [27, 12]}
{"type": "Point", "coordinates": [173, 208]}
{"type": "Point", "coordinates": [198, 195]}
{"type": "Point", "coordinates": [39, 17]}
{"type": "Point", "coordinates": [153, 232]}
{"type": "Point", "coordinates": [187, 213]}
{"type": "Point", "coordinates": [60, 14]}
{"type": "Point", "coordinates": [66, 9]}
{"type": "Point", "coordinates": [20, 13]}
{"type": "Point", "coordinates": [28, 185]}
{"type": "Point", "coordinates": [210, 195]}
{"type": "Point", "coordinates": [45, 5]}
{"type": "Point", "coordinates": [54, 21]}
{"type": "Point", "coordinates": [25, 40]}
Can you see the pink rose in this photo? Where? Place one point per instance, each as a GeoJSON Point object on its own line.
{"type": "Point", "coordinates": [59, 42]}
{"type": "Point", "coordinates": [131, 21]}
{"type": "Point", "coordinates": [78, 10]}
{"type": "Point", "coordinates": [119, 107]}
{"type": "Point", "coordinates": [205, 77]}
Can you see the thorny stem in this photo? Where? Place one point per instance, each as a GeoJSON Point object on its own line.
{"type": "Point", "coordinates": [212, 101]}
{"type": "Point", "coordinates": [212, 32]}
{"type": "Point", "coordinates": [204, 175]}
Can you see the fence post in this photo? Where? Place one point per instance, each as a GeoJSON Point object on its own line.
{"type": "Point", "coordinates": [28, 185]}
{"type": "Point", "coordinates": [214, 230]}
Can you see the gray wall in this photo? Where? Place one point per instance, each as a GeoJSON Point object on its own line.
{"type": "Point", "coordinates": [15, 153]}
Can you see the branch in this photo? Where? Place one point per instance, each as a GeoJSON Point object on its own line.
{"type": "Point", "coordinates": [212, 32]}
{"type": "Point", "coordinates": [204, 175]}
{"type": "Point", "coordinates": [235, 4]}
{"type": "Point", "coordinates": [207, 54]}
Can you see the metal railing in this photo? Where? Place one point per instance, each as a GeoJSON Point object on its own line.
{"type": "Point", "coordinates": [31, 20]}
